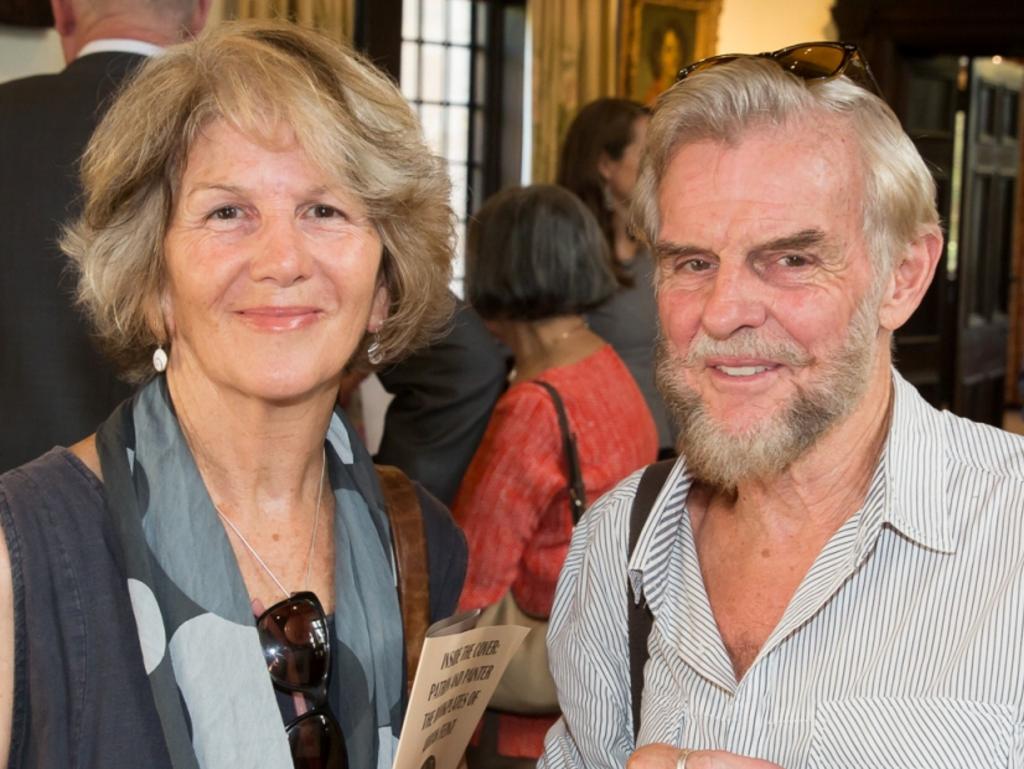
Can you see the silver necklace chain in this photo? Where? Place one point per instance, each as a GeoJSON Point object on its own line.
{"type": "Point", "coordinates": [312, 539]}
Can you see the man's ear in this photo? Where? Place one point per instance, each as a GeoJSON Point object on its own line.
{"type": "Point", "coordinates": [910, 279]}
{"type": "Point", "coordinates": [63, 17]}
{"type": "Point", "coordinates": [198, 17]}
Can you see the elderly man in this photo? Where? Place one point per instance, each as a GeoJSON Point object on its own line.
{"type": "Point", "coordinates": [835, 569]}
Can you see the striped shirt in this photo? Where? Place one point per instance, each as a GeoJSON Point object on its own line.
{"type": "Point", "coordinates": [902, 646]}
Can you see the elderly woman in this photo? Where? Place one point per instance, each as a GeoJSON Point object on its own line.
{"type": "Point", "coordinates": [261, 213]}
{"type": "Point", "coordinates": [536, 261]}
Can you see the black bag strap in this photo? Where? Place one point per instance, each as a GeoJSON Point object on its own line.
{"type": "Point", "coordinates": [577, 491]}
{"type": "Point", "coordinates": [639, 615]}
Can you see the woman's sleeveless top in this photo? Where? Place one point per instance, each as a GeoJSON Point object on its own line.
{"type": "Point", "coordinates": [81, 694]}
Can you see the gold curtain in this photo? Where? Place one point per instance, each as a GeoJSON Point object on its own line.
{"type": "Point", "coordinates": [575, 57]}
{"type": "Point", "coordinates": [334, 18]}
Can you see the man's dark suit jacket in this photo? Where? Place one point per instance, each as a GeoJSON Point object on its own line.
{"type": "Point", "coordinates": [444, 396]}
{"type": "Point", "coordinates": [55, 387]}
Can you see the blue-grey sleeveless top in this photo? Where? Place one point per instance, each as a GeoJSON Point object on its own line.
{"type": "Point", "coordinates": [81, 695]}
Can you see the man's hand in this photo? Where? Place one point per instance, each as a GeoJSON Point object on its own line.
{"type": "Point", "coordinates": [661, 756]}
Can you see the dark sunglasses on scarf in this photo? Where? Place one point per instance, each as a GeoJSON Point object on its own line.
{"type": "Point", "coordinates": [297, 647]}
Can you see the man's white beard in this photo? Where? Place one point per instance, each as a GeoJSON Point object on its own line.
{"type": "Point", "coordinates": [724, 459]}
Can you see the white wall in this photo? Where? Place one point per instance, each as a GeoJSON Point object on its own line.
{"type": "Point", "coordinates": [752, 26]}
{"type": "Point", "coordinates": [28, 51]}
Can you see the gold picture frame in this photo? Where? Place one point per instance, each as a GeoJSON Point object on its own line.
{"type": "Point", "coordinates": [661, 36]}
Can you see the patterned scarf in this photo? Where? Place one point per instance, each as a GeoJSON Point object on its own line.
{"type": "Point", "coordinates": [198, 636]}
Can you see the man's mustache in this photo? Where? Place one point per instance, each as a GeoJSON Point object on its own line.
{"type": "Point", "coordinates": [745, 343]}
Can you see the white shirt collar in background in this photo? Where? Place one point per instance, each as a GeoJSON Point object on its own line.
{"type": "Point", "coordinates": [120, 45]}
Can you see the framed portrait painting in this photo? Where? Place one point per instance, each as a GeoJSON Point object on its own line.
{"type": "Point", "coordinates": [661, 36]}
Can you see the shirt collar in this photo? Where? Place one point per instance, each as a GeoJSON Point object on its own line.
{"type": "Point", "coordinates": [916, 471]}
{"type": "Point", "coordinates": [666, 516]}
{"type": "Point", "coordinates": [119, 45]}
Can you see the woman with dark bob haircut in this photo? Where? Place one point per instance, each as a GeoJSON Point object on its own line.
{"type": "Point", "coordinates": [261, 214]}
{"type": "Point", "coordinates": [536, 262]}
{"type": "Point", "coordinates": [600, 162]}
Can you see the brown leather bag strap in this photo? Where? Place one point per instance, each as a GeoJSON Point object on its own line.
{"type": "Point", "coordinates": [410, 542]}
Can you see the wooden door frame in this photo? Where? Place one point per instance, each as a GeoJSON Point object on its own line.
{"type": "Point", "coordinates": [890, 31]}
{"type": "Point", "coordinates": [1015, 353]}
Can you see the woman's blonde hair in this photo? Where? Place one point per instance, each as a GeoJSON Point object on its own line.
{"type": "Point", "coordinates": [348, 117]}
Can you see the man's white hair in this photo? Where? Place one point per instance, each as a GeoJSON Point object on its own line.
{"type": "Point", "coordinates": [724, 102]}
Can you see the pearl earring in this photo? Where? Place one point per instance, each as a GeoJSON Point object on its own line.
{"type": "Point", "coordinates": [159, 359]}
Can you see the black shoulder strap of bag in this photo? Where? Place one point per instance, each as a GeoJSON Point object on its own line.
{"type": "Point", "coordinates": [577, 491]}
{"type": "Point", "coordinates": [639, 614]}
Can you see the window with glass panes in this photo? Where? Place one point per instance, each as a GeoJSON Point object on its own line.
{"type": "Point", "coordinates": [442, 58]}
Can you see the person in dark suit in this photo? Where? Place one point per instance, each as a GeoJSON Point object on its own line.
{"type": "Point", "coordinates": [444, 396]}
{"type": "Point", "coordinates": [54, 384]}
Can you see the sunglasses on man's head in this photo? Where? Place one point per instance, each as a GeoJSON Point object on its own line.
{"type": "Point", "coordinates": [808, 61]}
{"type": "Point", "coordinates": [297, 647]}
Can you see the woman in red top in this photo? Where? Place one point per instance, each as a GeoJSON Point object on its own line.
{"type": "Point", "coordinates": [536, 262]}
